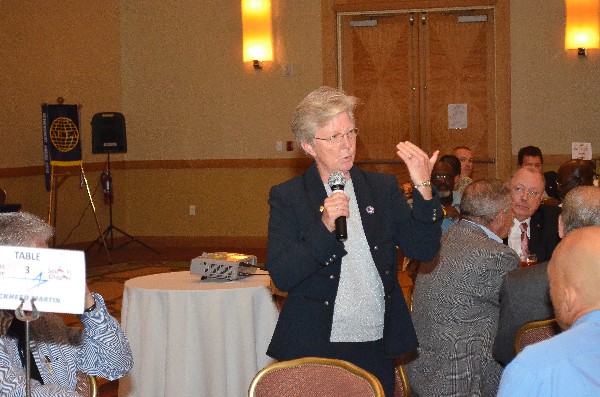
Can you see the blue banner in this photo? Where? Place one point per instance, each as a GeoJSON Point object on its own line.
{"type": "Point", "coordinates": [61, 138]}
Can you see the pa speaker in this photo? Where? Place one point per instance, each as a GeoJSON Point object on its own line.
{"type": "Point", "coordinates": [108, 133]}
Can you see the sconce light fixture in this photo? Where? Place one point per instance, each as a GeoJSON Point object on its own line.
{"type": "Point", "coordinates": [257, 31]}
{"type": "Point", "coordinates": [581, 30]}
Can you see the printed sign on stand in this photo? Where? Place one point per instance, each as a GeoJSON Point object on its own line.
{"type": "Point", "coordinates": [55, 278]}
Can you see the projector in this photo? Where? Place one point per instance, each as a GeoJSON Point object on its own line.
{"type": "Point", "coordinates": [224, 265]}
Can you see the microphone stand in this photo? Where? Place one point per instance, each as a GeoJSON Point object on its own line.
{"type": "Point", "coordinates": [34, 315]}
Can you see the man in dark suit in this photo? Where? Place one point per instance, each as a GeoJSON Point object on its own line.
{"type": "Point", "coordinates": [524, 292]}
{"type": "Point", "coordinates": [540, 222]}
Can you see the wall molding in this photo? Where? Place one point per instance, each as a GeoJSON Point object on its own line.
{"type": "Point", "coordinates": [299, 162]}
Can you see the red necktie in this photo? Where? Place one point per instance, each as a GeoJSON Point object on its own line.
{"type": "Point", "coordinates": [524, 241]}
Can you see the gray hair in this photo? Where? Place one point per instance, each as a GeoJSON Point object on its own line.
{"type": "Point", "coordinates": [483, 200]}
{"type": "Point", "coordinates": [581, 208]}
{"type": "Point", "coordinates": [22, 229]}
{"type": "Point", "coordinates": [317, 109]}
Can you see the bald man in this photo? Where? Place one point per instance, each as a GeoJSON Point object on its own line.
{"type": "Point", "coordinates": [569, 363]}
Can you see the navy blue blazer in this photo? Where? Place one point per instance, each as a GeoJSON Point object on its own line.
{"type": "Point", "coordinates": [304, 257]}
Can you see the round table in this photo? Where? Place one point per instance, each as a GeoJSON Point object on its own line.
{"type": "Point", "coordinates": [192, 337]}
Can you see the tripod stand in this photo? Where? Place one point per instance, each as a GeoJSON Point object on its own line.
{"type": "Point", "coordinates": [108, 186]}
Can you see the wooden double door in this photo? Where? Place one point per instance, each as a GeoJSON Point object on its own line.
{"type": "Point", "coordinates": [427, 76]}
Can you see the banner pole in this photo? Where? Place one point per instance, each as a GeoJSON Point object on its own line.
{"type": "Point", "coordinates": [101, 236]}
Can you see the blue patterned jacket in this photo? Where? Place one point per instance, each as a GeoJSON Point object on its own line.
{"type": "Point", "coordinates": [99, 349]}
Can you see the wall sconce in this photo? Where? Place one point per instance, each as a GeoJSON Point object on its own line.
{"type": "Point", "coordinates": [581, 30]}
{"type": "Point", "coordinates": [257, 31]}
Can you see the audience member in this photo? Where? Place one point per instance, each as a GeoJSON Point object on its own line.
{"type": "Point", "coordinates": [442, 177]}
{"type": "Point", "coordinates": [531, 157]}
{"type": "Point", "coordinates": [567, 364]}
{"type": "Point", "coordinates": [344, 300]}
{"type": "Point", "coordinates": [575, 173]}
{"type": "Point", "coordinates": [99, 348]}
{"type": "Point", "coordinates": [455, 306]}
{"type": "Point", "coordinates": [465, 155]}
{"type": "Point", "coordinates": [456, 167]}
{"type": "Point", "coordinates": [524, 292]}
{"type": "Point", "coordinates": [535, 226]}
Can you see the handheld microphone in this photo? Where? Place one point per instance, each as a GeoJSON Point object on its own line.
{"type": "Point", "coordinates": [337, 181]}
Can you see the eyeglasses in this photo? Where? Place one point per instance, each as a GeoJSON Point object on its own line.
{"type": "Point", "coordinates": [518, 190]}
{"type": "Point", "coordinates": [339, 137]}
{"type": "Point", "coordinates": [439, 177]}
{"type": "Point", "coordinates": [465, 159]}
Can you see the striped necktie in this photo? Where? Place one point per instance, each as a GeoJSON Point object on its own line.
{"type": "Point", "coordinates": [524, 241]}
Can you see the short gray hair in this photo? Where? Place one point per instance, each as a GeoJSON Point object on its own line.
{"type": "Point", "coordinates": [483, 200]}
{"type": "Point", "coordinates": [581, 208]}
{"type": "Point", "coordinates": [317, 109]}
{"type": "Point", "coordinates": [21, 229]}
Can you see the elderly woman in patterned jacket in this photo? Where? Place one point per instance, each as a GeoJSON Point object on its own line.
{"type": "Point", "coordinates": [57, 352]}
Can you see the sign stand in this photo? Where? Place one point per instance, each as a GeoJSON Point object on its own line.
{"type": "Point", "coordinates": [27, 318]}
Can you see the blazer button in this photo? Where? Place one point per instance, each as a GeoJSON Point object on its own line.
{"type": "Point", "coordinates": [326, 303]}
{"type": "Point", "coordinates": [332, 277]}
{"type": "Point", "coordinates": [333, 256]}
{"type": "Point", "coordinates": [387, 272]}
{"type": "Point", "coordinates": [375, 248]}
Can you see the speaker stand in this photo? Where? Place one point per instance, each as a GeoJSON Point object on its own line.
{"type": "Point", "coordinates": [109, 231]}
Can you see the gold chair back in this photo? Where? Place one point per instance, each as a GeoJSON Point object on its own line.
{"type": "Point", "coordinates": [86, 385]}
{"type": "Point", "coordinates": [534, 332]}
{"type": "Point", "coordinates": [402, 387]}
{"type": "Point", "coordinates": [316, 377]}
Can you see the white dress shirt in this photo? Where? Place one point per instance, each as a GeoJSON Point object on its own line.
{"type": "Point", "coordinates": [514, 236]}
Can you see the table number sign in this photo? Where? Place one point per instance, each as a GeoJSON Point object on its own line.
{"type": "Point", "coordinates": [55, 278]}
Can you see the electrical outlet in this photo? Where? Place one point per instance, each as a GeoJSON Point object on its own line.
{"type": "Point", "coordinates": [192, 210]}
{"type": "Point", "coordinates": [288, 70]}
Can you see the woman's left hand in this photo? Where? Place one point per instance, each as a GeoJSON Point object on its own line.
{"type": "Point", "coordinates": [419, 166]}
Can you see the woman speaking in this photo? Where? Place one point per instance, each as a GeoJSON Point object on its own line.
{"type": "Point", "coordinates": [344, 300]}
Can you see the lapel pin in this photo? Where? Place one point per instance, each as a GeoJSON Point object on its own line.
{"type": "Point", "coordinates": [321, 208]}
{"type": "Point", "coordinates": [370, 210]}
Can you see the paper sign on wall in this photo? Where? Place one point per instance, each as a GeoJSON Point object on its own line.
{"type": "Point", "coordinates": [457, 116]}
{"type": "Point", "coordinates": [581, 150]}
{"type": "Point", "coordinates": [55, 278]}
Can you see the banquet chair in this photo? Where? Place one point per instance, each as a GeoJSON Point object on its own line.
{"type": "Point", "coordinates": [86, 385]}
{"type": "Point", "coordinates": [314, 377]}
{"type": "Point", "coordinates": [535, 331]}
{"type": "Point", "coordinates": [401, 387]}
{"type": "Point", "coordinates": [278, 296]}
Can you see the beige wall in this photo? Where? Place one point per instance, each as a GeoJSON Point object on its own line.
{"type": "Point", "coordinates": [555, 95]}
{"type": "Point", "coordinates": [174, 69]}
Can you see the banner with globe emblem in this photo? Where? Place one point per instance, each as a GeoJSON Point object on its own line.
{"type": "Point", "coordinates": [60, 132]}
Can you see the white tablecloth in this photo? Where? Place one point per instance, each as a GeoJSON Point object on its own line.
{"type": "Point", "coordinates": [196, 338]}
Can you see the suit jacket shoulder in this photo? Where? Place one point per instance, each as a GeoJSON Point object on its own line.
{"type": "Point", "coordinates": [543, 230]}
